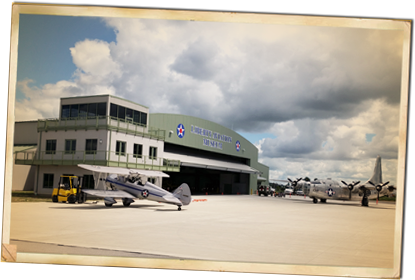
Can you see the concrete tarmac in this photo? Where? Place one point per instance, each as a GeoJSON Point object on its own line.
{"type": "Point", "coordinates": [240, 228]}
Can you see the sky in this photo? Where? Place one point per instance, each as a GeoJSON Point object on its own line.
{"type": "Point", "coordinates": [318, 102]}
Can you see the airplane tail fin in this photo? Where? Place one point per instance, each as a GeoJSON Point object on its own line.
{"type": "Point", "coordinates": [183, 194]}
{"type": "Point", "coordinates": [377, 172]}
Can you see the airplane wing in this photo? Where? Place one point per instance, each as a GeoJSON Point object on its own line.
{"type": "Point", "coordinates": [149, 173]}
{"type": "Point", "coordinates": [277, 180]}
{"type": "Point", "coordinates": [366, 185]}
{"type": "Point", "coordinates": [123, 171]}
{"type": "Point", "coordinates": [105, 169]}
{"type": "Point", "coordinates": [113, 194]}
{"type": "Point", "coordinates": [371, 186]}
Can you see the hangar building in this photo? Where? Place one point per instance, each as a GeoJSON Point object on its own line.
{"type": "Point", "coordinates": [110, 131]}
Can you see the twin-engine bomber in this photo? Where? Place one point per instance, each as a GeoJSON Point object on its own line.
{"type": "Point", "coordinates": [330, 189]}
{"type": "Point", "coordinates": [129, 184]}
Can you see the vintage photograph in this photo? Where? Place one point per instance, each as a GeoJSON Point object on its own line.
{"type": "Point", "coordinates": [206, 140]}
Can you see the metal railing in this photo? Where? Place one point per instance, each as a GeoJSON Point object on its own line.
{"type": "Point", "coordinates": [101, 122]}
{"type": "Point", "coordinates": [103, 158]}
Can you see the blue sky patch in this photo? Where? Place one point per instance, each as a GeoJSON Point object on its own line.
{"type": "Point", "coordinates": [369, 137]}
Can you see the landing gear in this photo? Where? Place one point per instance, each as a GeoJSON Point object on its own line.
{"type": "Point", "coordinates": [315, 200]}
{"type": "Point", "coordinates": [81, 197]}
{"type": "Point", "coordinates": [179, 208]}
{"type": "Point", "coordinates": [365, 201]}
{"type": "Point", "coordinates": [127, 201]}
{"type": "Point", "coordinates": [109, 201]}
{"type": "Point", "coordinates": [323, 200]}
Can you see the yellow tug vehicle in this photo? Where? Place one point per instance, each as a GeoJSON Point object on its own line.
{"type": "Point", "coordinates": [69, 190]}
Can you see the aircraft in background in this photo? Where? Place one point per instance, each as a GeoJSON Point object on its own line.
{"type": "Point", "coordinates": [324, 189]}
{"type": "Point", "coordinates": [129, 184]}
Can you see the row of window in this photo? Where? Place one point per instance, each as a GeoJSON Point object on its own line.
{"type": "Point", "coordinates": [121, 148]}
{"type": "Point", "coordinates": [87, 110]}
{"type": "Point", "coordinates": [93, 110]}
{"type": "Point", "coordinates": [128, 115]}
{"type": "Point", "coordinates": [91, 148]}
{"type": "Point", "coordinates": [70, 146]}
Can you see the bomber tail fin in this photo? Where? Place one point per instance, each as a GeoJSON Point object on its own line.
{"type": "Point", "coordinates": [183, 194]}
{"type": "Point", "coordinates": [377, 172]}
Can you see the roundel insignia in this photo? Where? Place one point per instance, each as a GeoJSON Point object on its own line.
{"type": "Point", "coordinates": [238, 145]}
{"type": "Point", "coordinates": [180, 130]}
{"type": "Point", "coordinates": [145, 193]}
{"type": "Point", "coordinates": [330, 192]}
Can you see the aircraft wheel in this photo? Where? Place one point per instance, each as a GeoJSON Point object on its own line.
{"type": "Point", "coordinates": [55, 198]}
{"type": "Point", "coordinates": [315, 200]}
{"type": "Point", "coordinates": [179, 208]}
{"type": "Point", "coordinates": [126, 204]}
{"type": "Point", "coordinates": [323, 200]}
{"type": "Point", "coordinates": [365, 201]}
{"type": "Point", "coordinates": [108, 204]}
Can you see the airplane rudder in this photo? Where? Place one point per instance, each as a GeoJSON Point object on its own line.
{"type": "Point", "coordinates": [185, 195]}
{"type": "Point", "coordinates": [377, 172]}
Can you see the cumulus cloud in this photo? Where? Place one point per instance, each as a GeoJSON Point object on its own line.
{"type": "Point", "coordinates": [338, 138]}
{"type": "Point", "coordinates": [339, 147]}
{"type": "Point", "coordinates": [42, 102]}
{"type": "Point", "coordinates": [93, 57]}
{"type": "Point", "coordinates": [200, 60]}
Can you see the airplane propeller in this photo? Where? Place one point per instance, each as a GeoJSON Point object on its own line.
{"type": "Point", "coordinates": [294, 183]}
{"type": "Point", "coordinates": [379, 187]}
{"type": "Point", "coordinates": [351, 187]}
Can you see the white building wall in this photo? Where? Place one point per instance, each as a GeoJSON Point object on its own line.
{"type": "Point", "coordinates": [129, 104]}
{"type": "Point", "coordinates": [101, 135]}
{"type": "Point", "coordinates": [80, 136]}
{"type": "Point", "coordinates": [130, 141]}
{"type": "Point", "coordinates": [84, 99]}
